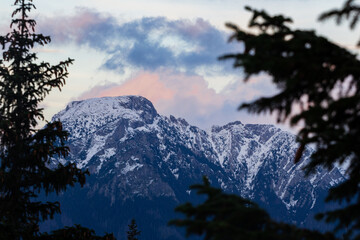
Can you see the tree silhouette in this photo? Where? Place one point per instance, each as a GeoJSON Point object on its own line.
{"type": "Point", "coordinates": [228, 216]}
{"type": "Point", "coordinates": [133, 232]}
{"type": "Point", "coordinates": [349, 11]}
{"type": "Point", "coordinates": [75, 233]}
{"type": "Point", "coordinates": [319, 91]}
{"type": "Point", "coordinates": [26, 152]}
{"type": "Point", "coordinates": [319, 87]}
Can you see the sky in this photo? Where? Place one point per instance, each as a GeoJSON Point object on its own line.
{"type": "Point", "coordinates": [164, 50]}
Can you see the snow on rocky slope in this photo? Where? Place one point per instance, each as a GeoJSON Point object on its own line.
{"type": "Point", "coordinates": [133, 152]}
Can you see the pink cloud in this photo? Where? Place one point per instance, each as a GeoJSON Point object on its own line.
{"type": "Point", "coordinates": [195, 29]}
{"type": "Point", "coordinates": [186, 96]}
{"type": "Point", "coordinates": [145, 84]}
{"type": "Point", "coordinates": [71, 28]}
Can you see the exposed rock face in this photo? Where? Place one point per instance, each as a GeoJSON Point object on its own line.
{"type": "Point", "coordinates": [142, 164]}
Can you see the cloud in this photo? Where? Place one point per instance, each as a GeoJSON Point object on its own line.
{"type": "Point", "coordinates": [80, 28]}
{"type": "Point", "coordinates": [173, 63]}
{"type": "Point", "coordinates": [186, 96]}
{"type": "Point", "coordinates": [147, 44]}
{"type": "Point", "coordinates": [145, 84]}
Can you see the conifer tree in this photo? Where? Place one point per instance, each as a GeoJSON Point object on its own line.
{"type": "Point", "coordinates": [230, 217]}
{"type": "Point", "coordinates": [25, 151]}
{"type": "Point", "coordinates": [319, 90]}
{"type": "Point", "coordinates": [133, 232]}
{"type": "Point", "coordinates": [74, 233]}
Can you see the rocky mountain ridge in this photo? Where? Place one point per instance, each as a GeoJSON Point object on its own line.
{"type": "Point", "coordinates": [135, 154]}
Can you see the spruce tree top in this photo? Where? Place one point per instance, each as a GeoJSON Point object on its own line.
{"type": "Point", "coordinates": [133, 232]}
{"type": "Point", "coordinates": [318, 88]}
{"type": "Point", "coordinates": [25, 152]}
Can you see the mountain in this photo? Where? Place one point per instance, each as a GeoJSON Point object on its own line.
{"type": "Point", "coordinates": [142, 164]}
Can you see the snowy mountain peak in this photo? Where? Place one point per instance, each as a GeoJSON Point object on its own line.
{"type": "Point", "coordinates": [107, 106]}
{"type": "Point", "coordinates": [134, 152]}
{"type": "Point", "coordinates": [85, 117]}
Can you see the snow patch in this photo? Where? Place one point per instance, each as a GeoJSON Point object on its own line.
{"type": "Point", "coordinates": [291, 203]}
{"type": "Point", "coordinates": [97, 145]}
{"type": "Point", "coordinates": [175, 172]}
{"type": "Point", "coordinates": [130, 168]}
{"type": "Point", "coordinates": [108, 154]}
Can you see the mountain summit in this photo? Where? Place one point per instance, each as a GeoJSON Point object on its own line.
{"type": "Point", "coordinates": [142, 164]}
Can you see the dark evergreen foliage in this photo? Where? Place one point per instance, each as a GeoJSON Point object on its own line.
{"type": "Point", "coordinates": [26, 152]}
{"type": "Point", "coordinates": [319, 90]}
{"type": "Point", "coordinates": [226, 216]}
{"type": "Point", "coordinates": [133, 232]}
{"type": "Point", "coordinates": [350, 11]}
{"type": "Point", "coordinates": [75, 233]}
